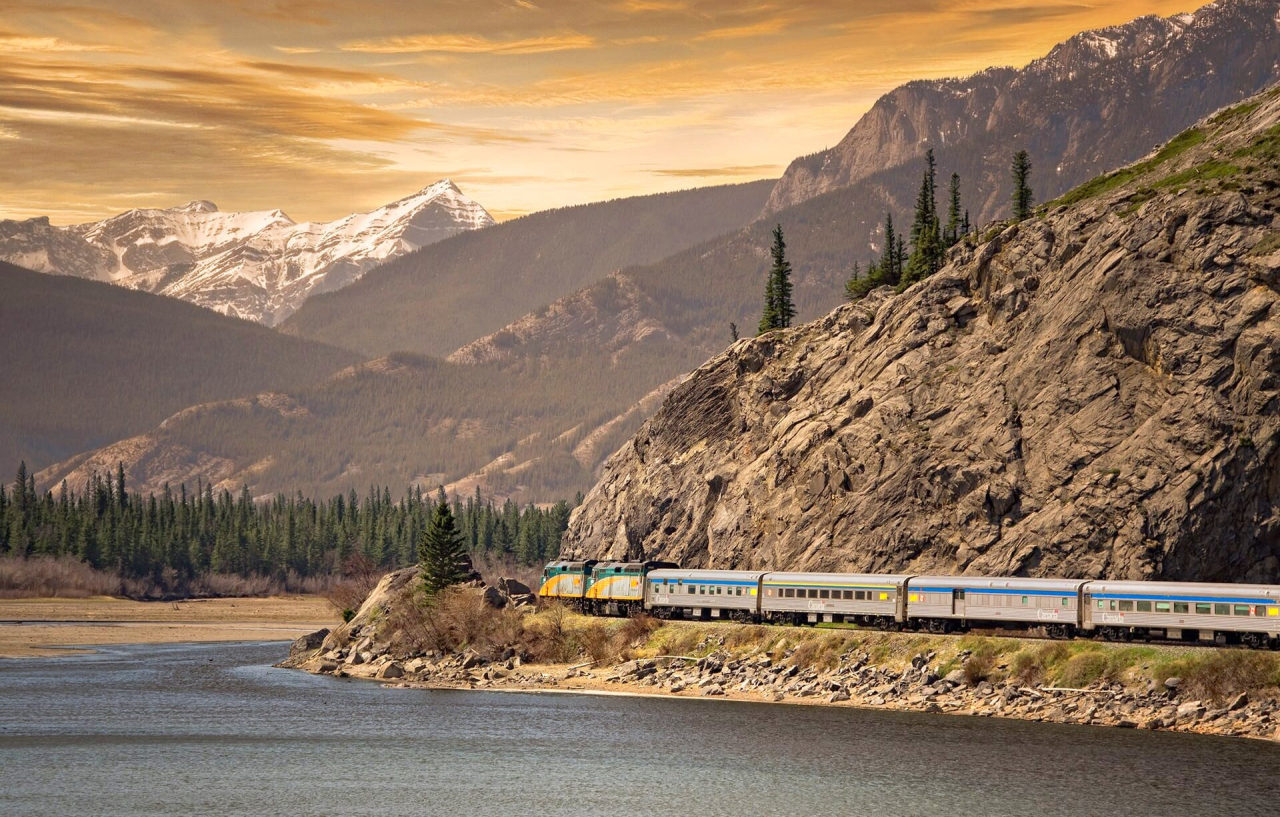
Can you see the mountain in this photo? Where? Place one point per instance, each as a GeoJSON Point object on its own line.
{"type": "Point", "coordinates": [86, 363]}
{"type": "Point", "coordinates": [259, 266]}
{"type": "Point", "coordinates": [1093, 392]}
{"type": "Point", "coordinates": [1097, 101]}
{"type": "Point", "coordinates": [475, 283]}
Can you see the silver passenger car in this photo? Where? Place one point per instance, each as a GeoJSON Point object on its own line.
{"type": "Point", "coordinates": [1248, 613]}
{"type": "Point", "coordinates": [703, 594]}
{"type": "Point", "coordinates": [941, 603]}
{"type": "Point", "coordinates": [835, 597]}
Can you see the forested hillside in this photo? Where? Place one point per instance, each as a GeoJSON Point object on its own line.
{"type": "Point", "coordinates": [86, 363]}
{"type": "Point", "coordinates": [443, 296]}
{"type": "Point", "coordinates": [166, 541]}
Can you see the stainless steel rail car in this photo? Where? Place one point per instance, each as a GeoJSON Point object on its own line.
{"type": "Point", "coordinates": [703, 594]}
{"type": "Point", "coordinates": [1184, 611]}
{"type": "Point", "coordinates": [802, 598]}
{"type": "Point", "coordinates": [944, 603]}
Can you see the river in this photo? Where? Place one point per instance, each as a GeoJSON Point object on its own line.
{"type": "Point", "coordinates": [192, 729]}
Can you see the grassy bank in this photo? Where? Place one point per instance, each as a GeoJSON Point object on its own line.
{"type": "Point", "coordinates": [460, 622]}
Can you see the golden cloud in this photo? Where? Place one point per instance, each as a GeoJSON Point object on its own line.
{"type": "Point", "coordinates": [463, 44]}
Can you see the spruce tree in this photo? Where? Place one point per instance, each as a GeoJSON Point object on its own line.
{"type": "Point", "coordinates": [778, 307]}
{"type": "Point", "coordinates": [951, 234]}
{"type": "Point", "coordinates": [926, 237]}
{"type": "Point", "coordinates": [442, 554]}
{"type": "Point", "coordinates": [852, 285]}
{"type": "Point", "coordinates": [1022, 196]}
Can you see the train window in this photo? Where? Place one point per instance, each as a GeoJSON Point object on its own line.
{"type": "Point", "coordinates": [824, 594]}
{"type": "Point", "coordinates": [788, 593]}
{"type": "Point", "coordinates": [1113, 605]}
{"type": "Point", "coordinates": [1203, 609]}
{"type": "Point", "coordinates": [1101, 604]}
{"type": "Point", "coordinates": [1066, 602]}
{"type": "Point", "coordinates": [1126, 607]}
{"type": "Point", "coordinates": [739, 593]}
{"type": "Point", "coordinates": [1242, 609]}
{"type": "Point", "coordinates": [1181, 607]}
{"type": "Point", "coordinates": [1162, 606]}
{"type": "Point", "coordinates": [959, 595]}
{"type": "Point", "coordinates": [848, 595]}
{"type": "Point", "coordinates": [1222, 609]}
{"type": "Point", "coordinates": [1144, 607]}
{"type": "Point", "coordinates": [1260, 610]}
{"type": "Point", "coordinates": [1024, 600]}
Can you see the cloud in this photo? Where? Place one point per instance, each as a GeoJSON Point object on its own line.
{"type": "Point", "coordinates": [731, 171]}
{"type": "Point", "coordinates": [17, 43]}
{"type": "Point", "coordinates": [467, 44]}
{"type": "Point", "coordinates": [760, 29]}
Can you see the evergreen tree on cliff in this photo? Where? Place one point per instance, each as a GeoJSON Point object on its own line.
{"type": "Point", "coordinates": [778, 307]}
{"type": "Point", "coordinates": [926, 231]}
{"type": "Point", "coordinates": [952, 232]}
{"type": "Point", "coordinates": [1022, 196]}
{"type": "Point", "coordinates": [442, 555]}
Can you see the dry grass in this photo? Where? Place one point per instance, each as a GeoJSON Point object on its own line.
{"type": "Point", "coordinates": [49, 577]}
{"type": "Point", "coordinates": [1222, 674]}
{"type": "Point", "coordinates": [66, 577]}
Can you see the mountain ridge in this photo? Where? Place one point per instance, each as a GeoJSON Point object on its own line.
{"type": "Point", "coordinates": [1068, 108]}
{"type": "Point", "coordinates": [258, 265]}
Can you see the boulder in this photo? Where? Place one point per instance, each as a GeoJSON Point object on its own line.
{"type": "Point", "coordinates": [513, 587]}
{"type": "Point", "coordinates": [392, 670]}
{"type": "Point", "coordinates": [494, 598]}
{"type": "Point", "coordinates": [308, 643]}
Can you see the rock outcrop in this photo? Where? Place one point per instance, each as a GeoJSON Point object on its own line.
{"type": "Point", "coordinates": [1092, 392]}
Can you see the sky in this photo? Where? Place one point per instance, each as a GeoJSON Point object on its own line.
{"type": "Point", "coordinates": [323, 108]}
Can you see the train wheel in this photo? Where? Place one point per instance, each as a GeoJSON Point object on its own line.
{"type": "Point", "coordinates": [1254, 641]}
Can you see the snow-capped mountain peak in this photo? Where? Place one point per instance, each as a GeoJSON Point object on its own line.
{"type": "Point", "coordinates": [257, 265]}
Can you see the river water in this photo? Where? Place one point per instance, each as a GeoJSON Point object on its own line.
{"type": "Point", "coordinates": [194, 729]}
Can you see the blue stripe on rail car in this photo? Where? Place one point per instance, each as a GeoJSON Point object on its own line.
{"type": "Point", "coordinates": [1213, 599]}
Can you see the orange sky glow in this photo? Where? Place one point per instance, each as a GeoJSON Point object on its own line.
{"type": "Point", "coordinates": [322, 108]}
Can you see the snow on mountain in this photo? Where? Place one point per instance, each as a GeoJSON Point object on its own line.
{"type": "Point", "coordinates": [256, 265]}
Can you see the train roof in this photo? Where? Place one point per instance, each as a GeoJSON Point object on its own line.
{"type": "Point", "coordinates": [995, 583]}
{"type": "Point", "coordinates": [1188, 589]}
{"type": "Point", "coordinates": [572, 563]}
{"type": "Point", "coordinates": [838, 578]}
{"type": "Point", "coordinates": [707, 575]}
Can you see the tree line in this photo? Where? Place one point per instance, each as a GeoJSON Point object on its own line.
{"type": "Point", "coordinates": [179, 535]}
{"type": "Point", "coordinates": [930, 238]}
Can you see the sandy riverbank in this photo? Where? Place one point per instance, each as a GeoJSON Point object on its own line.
{"type": "Point", "coordinates": [43, 627]}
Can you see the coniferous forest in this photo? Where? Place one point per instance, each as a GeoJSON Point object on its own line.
{"type": "Point", "coordinates": [171, 539]}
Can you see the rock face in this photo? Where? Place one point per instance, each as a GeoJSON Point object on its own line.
{"type": "Point", "coordinates": [1093, 392]}
{"type": "Point", "coordinates": [1098, 100]}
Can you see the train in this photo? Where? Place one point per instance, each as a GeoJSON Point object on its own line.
{"type": "Point", "coordinates": [1221, 614]}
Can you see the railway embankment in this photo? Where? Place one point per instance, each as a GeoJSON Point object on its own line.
{"type": "Point", "coordinates": [461, 641]}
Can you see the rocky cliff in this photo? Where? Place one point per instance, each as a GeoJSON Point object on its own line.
{"type": "Point", "coordinates": [1092, 392]}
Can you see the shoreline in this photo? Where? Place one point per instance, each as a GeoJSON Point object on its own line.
{"type": "Point", "coordinates": [1106, 706]}
{"type": "Point", "coordinates": [53, 627]}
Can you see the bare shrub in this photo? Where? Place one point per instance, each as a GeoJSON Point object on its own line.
{"type": "Point", "coordinates": [547, 635]}
{"type": "Point", "coordinates": [360, 575]}
{"type": "Point", "coordinates": [1226, 673]}
{"type": "Point", "coordinates": [49, 577]}
{"type": "Point", "coordinates": [979, 667]}
{"type": "Point", "coordinates": [744, 635]}
{"type": "Point", "coordinates": [493, 566]}
{"type": "Point", "coordinates": [596, 643]}
{"type": "Point", "coordinates": [679, 641]}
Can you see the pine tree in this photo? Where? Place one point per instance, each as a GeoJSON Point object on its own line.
{"type": "Point", "coordinates": [926, 232]}
{"type": "Point", "coordinates": [965, 226]}
{"type": "Point", "coordinates": [951, 233]}
{"type": "Point", "coordinates": [852, 285]}
{"type": "Point", "coordinates": [1022, 196]}
{"type": "Point", "coordinates": [441, 552]}
{"type": "Point", "coordinates": [778, 307]}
